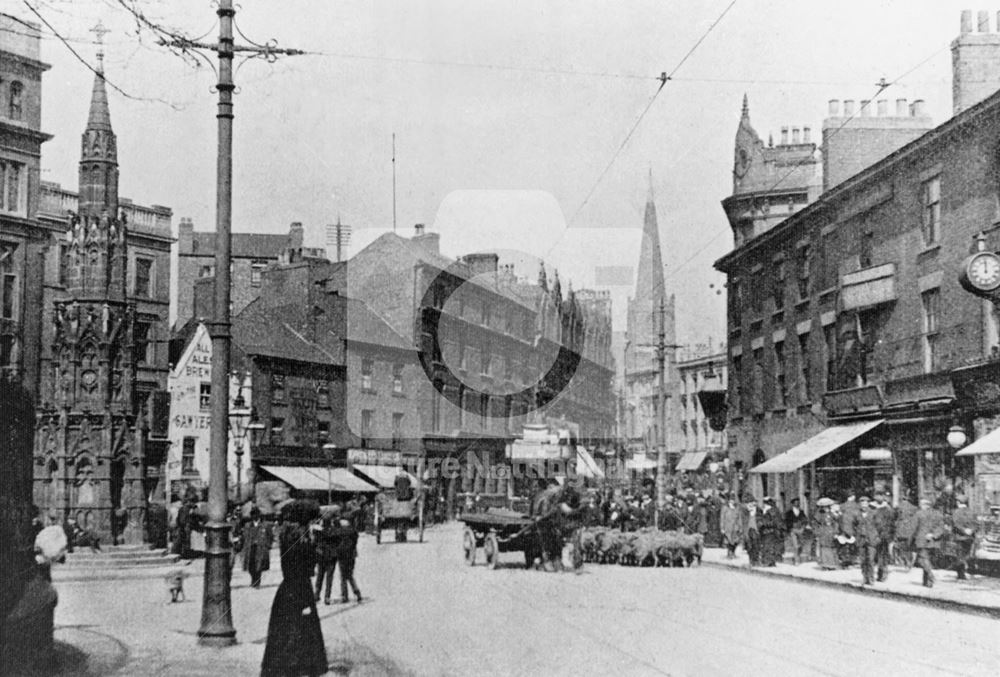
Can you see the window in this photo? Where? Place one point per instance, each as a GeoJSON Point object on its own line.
{"type": "Point", "coordinates": [141, 345]}
{"type": "Point", "coordinates": [14, 108]}
{"type": "Point", "coordinates": [757, 292]}
{"type": "Point", "coordinates": [366, 422]}
{"type": "Point", "coordinates": [736, 302]}
{"type": "Point", "coordinates": [206, 271]}
{"type": "Point", "coordinates": [484, 312]}
{"type": "Point", "coordinates": [366, 373]}
{"type": "Point", "coordinates": [780, 392]}
{"type": "Point", "coordinates": [205, 396]}
{"type": "Point", "coordinates": [278, 388]}
{"type": "Point", "coordinates": [804, 367]}
{"type": "Point", "coordinates": [277, 428]}
{"type": "Point", "coordinates": [484, 362]}
{"type": "Point", "coordinates": [830, 339]}
{"type": "Point", "coordinates": [11, 193]}
{"type": "Point", "coordinates": [397, 430]}
{"type": "Point", "coordinates": [397, 378]}
{"type": "Point", "coordinates": [931, 200]}
{"type": "Point", "coordinates": [931, 302]}
{"type": "Point", "coordinates": [778, 285]}
{"type": "Point", "coordinates": [508, 368]}
{"type": "Point", "coordinates": [257, 267]}
{"type": "Point", "coordinates": [63, 265]}
{"type": "Point", "coordinates": [804, 272]}
{"type": "Point", "coordinates": [187, 456]}
{"type": "Point", "coordinates": [463, 357]}
{"type": "Point", "coordinates": [758, 380]}
{"type": "Point", "coordinates": [8, 281]}
{"type": "Point", "coordinates": [323, 395]}
{"type": "Point", "coordinates": [323, 430]}
{"type": "Point", "coordinates": [867, 245]}
{"type": "Point", "coordinates": [7, 350]}
{"type": "Point", "coordinates": [143, 277]}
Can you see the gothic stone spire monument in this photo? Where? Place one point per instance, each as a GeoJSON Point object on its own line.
{"type": "Point", "coordinates": [88, 460]}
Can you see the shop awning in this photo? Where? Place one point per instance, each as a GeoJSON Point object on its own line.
{"type": "Point", "coordinates": [382, 475]}
{"type": "Point", "coordinates": [816, 447]}
{"type": "Point", "coordinates": [691, 460]}
{"type": "Point", "coordinates": [319, 479]}
{"type": "Point", "coordinates": [640, 463]}
{"type": "Point", "coordinates": [987, 444]}
{"type": "Point", "coordinates": [586, 465]}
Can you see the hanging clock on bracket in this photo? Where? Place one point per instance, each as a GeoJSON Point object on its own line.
{"type": "Point", "coordinates": [981, 274]}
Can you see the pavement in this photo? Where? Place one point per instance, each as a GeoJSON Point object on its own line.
{"type": "Point", "coordinates": [976, 594]}
{"type": "Point", "coordinates": [427, 613]}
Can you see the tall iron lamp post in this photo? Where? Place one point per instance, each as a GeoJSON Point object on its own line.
{"type": "Point", "coordinates": [241, 422]}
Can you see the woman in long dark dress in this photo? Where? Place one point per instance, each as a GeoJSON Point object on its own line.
{"type": "Point", "coordinates": [294, 638]}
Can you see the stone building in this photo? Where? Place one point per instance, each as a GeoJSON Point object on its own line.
{"type": "Point", "coordinates": [24, 237]}
{"type": "Point", "coordinates": [846, 319]}
{"type": "Point", "coordinates": [701, 391]}
{"type": "Point", "coordinates": [103, 363]}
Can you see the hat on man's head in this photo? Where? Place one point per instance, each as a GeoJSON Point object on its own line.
{"type": "Point", "coordinates": [864, 499]}
{"type": "Point", "coordinates": [769, 499]}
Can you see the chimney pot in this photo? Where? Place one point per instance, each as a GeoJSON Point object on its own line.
{"type": "Point", "coordinates": [805, 135]}
{"type": "Point", "coordinates": [984, 21]}
{"type": "Point", "coordinates": [834, 108]}
{"type": "Point", "coordinates": [966, 21]}
{"type": "Point", "coordinates": [784, 136]}
{"type": "Point", "coordinates": [795, 135]}
{"type": "Point", "coordinates": [902, 110]}
{"type": "Point", "coordinates": [865, 108]}
{"type": "Point", "coordinates": [917, 108]}
{"type": "Point", "coordinates": [883, 107]}
{"type": "Point", "coordinates": [848, 107]}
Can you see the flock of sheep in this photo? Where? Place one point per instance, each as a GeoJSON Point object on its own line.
{"type": "Point", "coordinates": [646, 547]}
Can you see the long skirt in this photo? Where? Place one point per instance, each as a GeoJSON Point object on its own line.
{"type": "Point", "coordinates": [826, 555]}
{"type": "Point", "coordinates": [294, 638]}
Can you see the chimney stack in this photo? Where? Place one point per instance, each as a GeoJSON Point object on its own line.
{"type": "Point", "coordinates": [418, 230]}
{"type": "Point", "coordinates": [784, 136]}
{"type": "Point", "coordinates": [966, 21]}
{"type": "Point", "coordinates": [805, 135]}
{"type": "Point", "coordinates": [883, 108]}
{"type": "Point", "coordinates": [795, 135]}
{"type": "Point", "coordinates": [984, 21]}
{"type": "Point", "coordinates": [295, 235]}
{"type": "Point", "coordinates": [975, 62]}
{"type": "Point", "coordinates": [834, 108]}
{"type": "Point", "coordinates": [848, 108]}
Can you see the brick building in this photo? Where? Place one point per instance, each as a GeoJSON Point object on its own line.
{"type": "Point", "coordinates": [103, 361]}
{"type": "Point", "coordinates": [701, 389]}
{"type": "Point", "coordinates": [846, 319]}
{"type": "Point", "coordinates": [24, 237]}
{"type": "Point", "coordinates": [251, 254]}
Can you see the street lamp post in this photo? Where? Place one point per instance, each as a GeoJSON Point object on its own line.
{"type": "Point", "coordinates": [239, 419]}
{"type": "Point", "coordinates": [329, 448]}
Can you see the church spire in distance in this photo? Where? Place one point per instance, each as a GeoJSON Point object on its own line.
{"type": "Point", "coordinates": [649, 283]}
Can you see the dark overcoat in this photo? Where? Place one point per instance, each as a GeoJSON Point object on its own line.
{"type": "Point", "coordinates": [256, 545]}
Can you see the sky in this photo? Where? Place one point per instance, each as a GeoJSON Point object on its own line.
{"type": "Point", "coordinates": [515, 120]}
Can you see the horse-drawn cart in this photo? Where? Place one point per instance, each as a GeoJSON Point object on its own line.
{"type": "Point", "coordinates": [392, 513]}
{"type": "Point", "coordinates": [499, 531]}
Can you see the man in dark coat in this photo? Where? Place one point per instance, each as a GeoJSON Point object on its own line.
{"type": "Point", "coordinates": [963, 527]}
{"type": "Point", "coordinates": [345, 539]}
{"type": "Point", "coordinates": [796, 524]}
{"type": "Point", "coordinates": [326, 556]}
{"type": "Point", "coordinates": [885, 523]}
{"type": "Point", "coordinates": [730, 526]}
{"type": "Point", "coordinates": [751, 534]}
{"type": "Point", "coordinates": [256, 543]}
{"type": "Point", "coordinates": [906, 522]}
{"type": "Point", "coordinates": [772, 534]}
{"type": "Point", "coordinates": [550, 508]}
{"type": "Point", "coordinates": [928, 529]}
{"type": "Point", "coordinates": [866, 534]}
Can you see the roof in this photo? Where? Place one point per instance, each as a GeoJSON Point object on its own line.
{"type": "Point", "coordinates": [364, 325]}
{"type": "Point", "coordinates": [279, 332]}
{"type": "Point", "coordinates": [244, 245]}
{"type": "Point", "coordinates": [826, 200]}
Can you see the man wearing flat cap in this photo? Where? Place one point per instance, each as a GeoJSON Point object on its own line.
{"type": "Point", "coordinates": [929, 527]}
{"type": "Point", "coordinates": [865, 531]}
{"type": "Point", "coordinates": [885, 523]}
{"type": "Point", "coordinates": [963, 527]}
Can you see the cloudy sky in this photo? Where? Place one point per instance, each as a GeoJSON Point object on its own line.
{"type": "Point", "coordinates": [519, 105]}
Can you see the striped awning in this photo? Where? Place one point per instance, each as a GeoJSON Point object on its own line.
{"type": "Point", "coordinates": [319, 479]}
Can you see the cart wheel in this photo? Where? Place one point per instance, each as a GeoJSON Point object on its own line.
{"type": "Point", "coordinates": [491, 548]}
{"type": "Point", "coordinates": [469, 546]}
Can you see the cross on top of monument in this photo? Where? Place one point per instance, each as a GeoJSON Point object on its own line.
{"type": "Point", "coordinates": [100, 31]}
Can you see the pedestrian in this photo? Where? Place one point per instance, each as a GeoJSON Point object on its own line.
{"type": "Point", "coordinates": [845, 535]}
{"type": "Point", "coordinates": [963, 526]}
{"type": "Point", "coordinates": [928, 529]}
{"type": "Point", "coordinates": [256, 541]}
{"type": "Point", "coordinates": [345, 543]}
{"type": "Point", "coordinates": [885, 523]}
{"type": "Point", "coordinates": [849, 510]}
{"type": "Point", "coordinates": [751, 535]}
{"type": "Point", "coordinates": [326, 554]}
{"type": "Point", "coordinates": [826, 527]}
{"type": "Point", "coordinates": [772, 534]}
{"type": "Point", "coordinates": [865, 531]}
{"type": "Point", "coordinates": [713, 508]}
{"type": "Point", "coordinates": [730, 526]}
{"type": "Point", "coordinates": [906, 522]}
{"type": "Point", "coordinates": [796, 524]}
{"type": "Point", "coordinates": [294, 638]}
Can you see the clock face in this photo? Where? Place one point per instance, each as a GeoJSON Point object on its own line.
{"type": "Point", "coordinates": [984, 271]}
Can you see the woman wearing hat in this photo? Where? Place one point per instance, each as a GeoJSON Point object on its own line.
{"type": "Point", "coordinates": [294, 639]}
{"type": "Point", "coordinates": [825, 527]}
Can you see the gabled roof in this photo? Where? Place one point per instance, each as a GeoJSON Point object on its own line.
{"type": "Point", "coordinates": [281, 332]}
{"type": "Point", "coordinates": [364, 325]}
